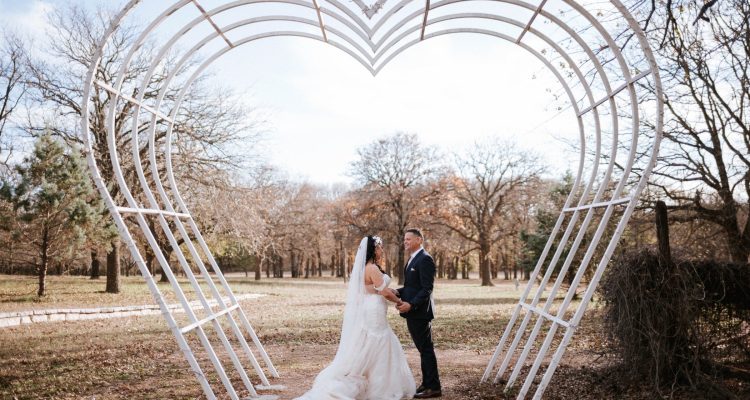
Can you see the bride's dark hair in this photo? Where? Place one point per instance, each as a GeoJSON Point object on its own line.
{"type": "Point", "coordinates": [371, 251]}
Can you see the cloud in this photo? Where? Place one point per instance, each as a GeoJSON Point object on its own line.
{"type": "Point", "coordinates": [26, 17]}
{"type": "Point", "coordinates": [448, 93]}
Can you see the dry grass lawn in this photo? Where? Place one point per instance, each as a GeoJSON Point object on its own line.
{"type": "Point", "coordinates": [297, 320]}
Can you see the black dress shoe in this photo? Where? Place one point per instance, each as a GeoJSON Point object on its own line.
{"type": "Point", "coordinates": [428, 394]}
{"type": "Point", "coordinates": [420, 389]}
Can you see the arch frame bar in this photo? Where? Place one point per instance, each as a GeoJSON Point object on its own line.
{"type": "Point", "coordinates": [364, 58]}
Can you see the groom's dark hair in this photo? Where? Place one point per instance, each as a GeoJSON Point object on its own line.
{"type": "Point", "coordinates": [416, 232]}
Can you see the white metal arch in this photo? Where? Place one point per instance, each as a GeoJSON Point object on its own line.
{"type": "Point", "coordinates": [374, 34]}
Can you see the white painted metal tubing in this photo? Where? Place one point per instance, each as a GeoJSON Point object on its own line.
{"type": "Point", "coordinates": [132, 100]}
{"type": "Point", "coordinates": [374, 60]}
{"type": "Point", "coordinates": [307, 5]}
{"type": "Point", "coordinates": [568, 231]}
{"type": "Point", "coordinates": [618, 90]}
{"type": "Point", "coordinates": [605, 218]}
{"type": "Point", "coordinates": [623, 221]}
{"type": "Point", "coordinates": [213, 24]}
{"type": "Point", "coordinates": [145, 188]}
{"type": "Point", "coordinates": [571, 224]}
{"type": "Point", "coordinates": [157, 250]}
{"type": "Point", "coordinates": [210, 318]}
{"type": "Point", "coordinates": [148, 211]}
{"type": "Point", "coordinates": [115, 214]}
{"type": "Point", "coordinates": [550, 241]}
{"type": "Point", "coordinates": [623, 200]}
{"type": "Point", "coordinates": [348, 13]}
{"type": "Point", "coordinates": [531, 20]}
{"type": "Point", "coordinates": [531, 338]}
{"type": "Point", "coordinates": [320, 20]}
{"type": "Point", "coordinates": [187, 240]}
{"type": "Point", "coordinates": [392, 12]}
{"type": "Point", "coordinates": [175, 244]}
{"type": "Point", "coordinates": [154, 245]}
{"type": "Point", "coordinates": [197, 232]}
{"type": "Point", "coordinates": [542, 313]}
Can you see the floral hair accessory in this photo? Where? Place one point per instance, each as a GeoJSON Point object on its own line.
{"type": "Point", "coordinates": [378, 241]}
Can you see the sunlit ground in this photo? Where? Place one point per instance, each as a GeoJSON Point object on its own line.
{"type": "Point", "coordinates": [297, 320]}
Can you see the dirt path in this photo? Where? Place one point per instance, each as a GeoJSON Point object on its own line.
{"type": "Point", "coordinates": [300, 364]}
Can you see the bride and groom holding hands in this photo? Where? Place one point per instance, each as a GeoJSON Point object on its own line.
{"type": "Point", "coordinates": [370, 362]}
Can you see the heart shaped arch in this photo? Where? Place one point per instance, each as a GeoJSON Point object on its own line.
{"type": "Point", "coordinates": [596, 61]}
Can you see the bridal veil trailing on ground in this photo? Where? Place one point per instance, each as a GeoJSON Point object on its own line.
{"type": "Point", "coordinates": [370, 362]}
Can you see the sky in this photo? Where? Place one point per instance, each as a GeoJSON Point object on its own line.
{"type": "Point", "coordinates": [321, 105]}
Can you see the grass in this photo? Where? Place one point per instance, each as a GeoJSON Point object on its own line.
{"type": "Point", "coordinates": [297, 320]}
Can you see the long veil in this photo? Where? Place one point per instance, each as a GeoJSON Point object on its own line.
{"type": "Point", "coordinates": [343, 378]}
{"type": "Point", "coordinates": [355, 293]}
{"type": "Point", "coordinates": [369, 362]}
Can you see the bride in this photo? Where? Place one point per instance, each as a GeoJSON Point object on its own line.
{"type": "Point", "coordinates": [369, 363]}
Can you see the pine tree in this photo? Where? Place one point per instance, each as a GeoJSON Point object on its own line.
{"type": "Point", "coordinates": [546, 217]}
{"type": "Point", "coordinates": [52, 199]}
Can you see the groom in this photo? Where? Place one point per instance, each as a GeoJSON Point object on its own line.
{"type": "Point", "coordinates": [416, 307]}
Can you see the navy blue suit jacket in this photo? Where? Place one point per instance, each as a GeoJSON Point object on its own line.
{"type": "Point", "coordinates": [419, 278]}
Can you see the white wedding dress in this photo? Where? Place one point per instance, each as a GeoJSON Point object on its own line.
{"type": "Point", "coordinates": [370, 363]}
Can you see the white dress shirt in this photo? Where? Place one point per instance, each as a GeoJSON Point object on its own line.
{"type": "Point", "coordinates": [413, 255]}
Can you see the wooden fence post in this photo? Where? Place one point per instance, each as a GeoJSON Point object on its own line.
{"type": "Point", "coordinates": [662, 235]}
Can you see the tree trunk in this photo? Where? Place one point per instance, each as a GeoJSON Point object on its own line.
{"type": "Point", "coordinates": [150, 262]}
{"type": "Point", "coordinates": [95, 265]}
{"type": "Point", "coordinates": [739, 246]}
{"type": "Point", "coordinates": [662, 235]}
{"type": "Point", "coordinates": [320, 264]}
{"type": "Point", "coordinates": [502, 262]}
{"type": "Point", "coordinates": [45, 261]}
{"type": "Point", "coordinates": [342, 262]}
{"type": "Point", "coordinates": [494, 266]}
{"type": "Point", "coordinates": [484, 264]}
{"type": "Point", "coordinates": [307, 268]}
{"type": "Point", "coordinates": [113, 268]}
{"type": "Point", "coordinates": [293, 263]}
{"type": "Point", "coordinates": [441, 267]}
{"type": "Point", "coordinates": [10, 256]}
{"type": "Point", "coordinates": [258, 267]}
{"type": "Point", "coordinates": [164, 278]}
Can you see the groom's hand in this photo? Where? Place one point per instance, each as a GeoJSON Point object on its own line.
{"type": "Point", "coordinates": [404, 307]}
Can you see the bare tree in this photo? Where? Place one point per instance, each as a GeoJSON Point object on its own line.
{"type": "Point", "coordinates": [489, 174]}
{"type": "Point", "coordinates": [13, 88]}
{"type": "Point", "coordinates": [704, 165]}
{"type": "Point", "coordinates": [206, 124]}
{"type": "Point", "coordinates": [393, 171]}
